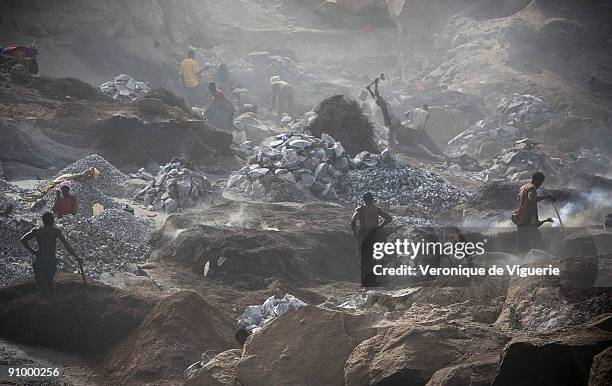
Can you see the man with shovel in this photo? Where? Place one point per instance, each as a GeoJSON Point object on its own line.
{"type": "Point", "coordinates": [45, 262]}
{"type": "Point", "coordinates": [525, 216]}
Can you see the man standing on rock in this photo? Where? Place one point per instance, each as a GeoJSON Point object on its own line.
{"type": "Point", "coordinates": [189, 72]}
{"type": "Point", "coordinates": [65, 203]}
{"type": "Point", "coordinates": [367, 234]}
{"type": "Point", "coordinates": [45, 262]}
{"type": "Point", "coordinates": [525, 216]}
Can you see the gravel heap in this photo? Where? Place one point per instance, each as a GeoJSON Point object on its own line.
{"type": "Point", "coordinates": [111, 241]}
{"type": "Point", "coordinates": [109, 179]}
{"type": "Point", "coordinates": [177, 185]}
{"type": "Point", "coordinates": [97, 191]}
{"type": "Point", "coordinates": [402, 185]}
{"type": "Point", "coordinates": [15, 261]}
{"type": "Point", "coordinates": [322, 167]}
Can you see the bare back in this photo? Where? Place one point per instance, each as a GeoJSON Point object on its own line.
{"type": "Point", "coordinates": [46, 237]}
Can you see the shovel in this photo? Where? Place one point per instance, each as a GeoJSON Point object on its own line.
{"type": "Point", "coordinates": [554, 204]}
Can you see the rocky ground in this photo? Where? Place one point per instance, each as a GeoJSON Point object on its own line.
{"type": "Point", "coordinates": [203, 227]}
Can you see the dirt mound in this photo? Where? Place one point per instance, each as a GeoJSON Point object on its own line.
{"type": "Point", "coordinates": [168, 98]}
{"type": "Point", "coordinates": [301, 242]}
{"type": "Point", "coordinates": [343, 119]}
{"type": "Point", "coordinates": [172, 337]}
{"type": "Point", "coordinates": [84, 319]}
{"type": "Point", "coordinates": [290, 351]}
{"type": "Point", "coordinates": [65, 88]}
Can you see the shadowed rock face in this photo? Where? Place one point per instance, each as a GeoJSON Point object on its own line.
{"type": "Point", "coordinates": [601, 370]}
{"type": "Point", "coordinates": [554, 359]}
{"type": "Point", "coordinates": [303, 242]}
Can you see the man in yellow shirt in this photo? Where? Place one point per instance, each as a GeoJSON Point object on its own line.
{"type": "Point", "coordinates": [189, 72]}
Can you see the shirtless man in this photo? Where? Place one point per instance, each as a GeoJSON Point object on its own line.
{"type": "Point", "coordinates": [45, 262]}
{"type": "Point", "coordinates": [367, 234]}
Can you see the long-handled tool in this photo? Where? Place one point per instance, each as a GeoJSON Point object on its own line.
{"type": "Point", "coordinates": [81, 269]}
{"type": "Point", "coordinates": [558, 216]}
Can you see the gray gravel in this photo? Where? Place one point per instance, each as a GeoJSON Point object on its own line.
{"type": "Point", "coordinates": [109, 179]}
{"type": "Point", "coordinates": [402, 185]}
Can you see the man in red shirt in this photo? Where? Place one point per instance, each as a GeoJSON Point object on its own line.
{"type": "Point", "coordinates": [65, 203]}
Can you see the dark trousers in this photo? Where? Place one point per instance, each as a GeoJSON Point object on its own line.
{"type": "Point", "coordinates": [527, 237]}
{"type": "Point", "coordinates": [192, 96]}
{"type": "Point", "coordinates": [44, 274]}
{"type": "Point", "coordinates": [368, 279]}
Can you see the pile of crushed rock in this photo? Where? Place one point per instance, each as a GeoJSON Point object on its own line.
{"type": "Point", "coordinates": [396, 183]}
{"type": "Point", "coordinates": [177, 185]}
{"type": "Point", "coordinates": [310, 164]}
{"type": "Point", "coordinates": [15, 261]}
{"type": "Point", "coordinates": [109, 179]}
{"type": "Point", "coordinates": [111, 241]}
{"type": "Point", "coordinates": [321, 167]}
{"type": "Point", "coordinates": [100, 190]}
{"type": "Point", "coordinates": [521, 160]}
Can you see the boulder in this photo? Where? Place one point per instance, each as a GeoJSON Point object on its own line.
{"type": "Point", "coordinates": [473, 374]}
{"type": "Point", "coordinates": [561, 358]}
{"type": "Point", "coordinates": [407, 355]}
{"type": "Point", "coordinates": [601, 370]}
{"type": "Point", "coordinates": [307, 346]}
{"type": "Point", "coordinates": [219, 371]}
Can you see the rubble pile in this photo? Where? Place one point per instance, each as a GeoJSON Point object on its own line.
{"type": "Point", "coordinates": [344, 120]}
{"type": "Point", "coordinates": [523, 159]}
{"type": "Point", "coordinates": [113, 240]}
{"type": "Point", "coordinates": [322, 167]}
{"type": "Point", "coordinates": [177, 185]}
{"type": "Point", "coordinates": [260, 315]}
{"type": "Point", "coordinates": [87, 196]}
{"type": "Point", "coordinates": [308, 163]}
{"type": "Point", "coordinates": [109, 179]}
{"type": "Point", "coordinates": [402, 185]}
{"type": "Point", "coordinates": [516, 116]}
{"type": "Point", "coordinates": [124, 86]}
{"type": "Point", "coordinates": [15, 261]}
{"type": "Point", "coordinates": [590, 160]}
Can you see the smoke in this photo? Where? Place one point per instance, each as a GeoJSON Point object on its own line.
{"type": "Point", "coordinates": [589, 209]}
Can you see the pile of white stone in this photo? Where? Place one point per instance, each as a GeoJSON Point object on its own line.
{"type": "Point", "coordinates": [308, 163]}
{"type": "Point", "coordinates": [177, 185]}
{"type": "Point", "coordinates": [516, 116]}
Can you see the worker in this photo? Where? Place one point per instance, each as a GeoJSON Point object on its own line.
{"type": "Point", "coordinates": [367, 233]}
{"type": "Point", "coordinates": [44, 262]}
{"type": "Point", "coordinates": [220, 111]}
{"type": "Point", "coordinates": [189, 72]}
{"type": "Point", "coordinates": [224, 80]}
{"type": "Point", "coordinates": [525, 216]}
{"type": "Point", "coordinates": [65, 203]}
{"type": "Point", "coordinates": [282, 96]}
{"type": "Point", "coordinates": [365, 107]}
{"type": "Point", "coordinates": [419, 116]}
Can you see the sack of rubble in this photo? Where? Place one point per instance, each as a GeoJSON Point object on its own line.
{"type": "Point", "coordinates": [260, 315]}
